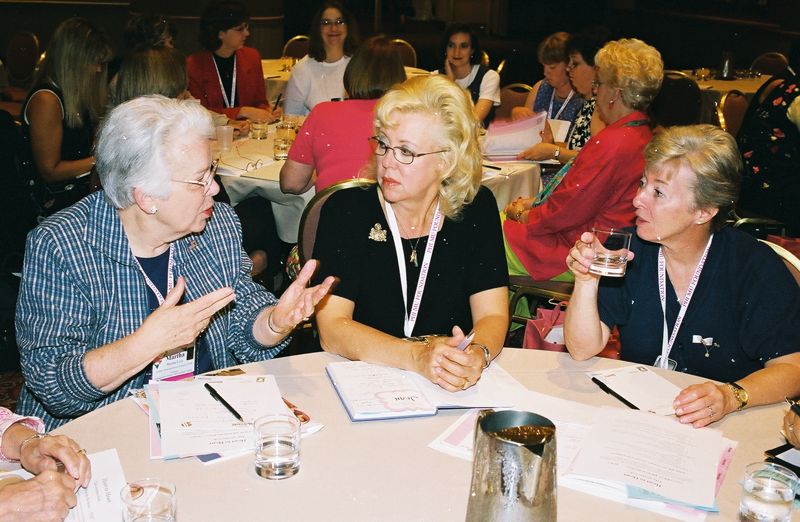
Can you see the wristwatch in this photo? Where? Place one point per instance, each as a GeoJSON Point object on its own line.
{"type": "Point", "coordinates": [486, 353]}
{"type": "Point", "coordinates": [739, 393]}
{"type": "Point", "coordinates": [557, 153]}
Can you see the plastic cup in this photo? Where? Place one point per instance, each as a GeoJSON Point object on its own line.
{"type": "Point", "coordinates": [225, 137]}
{"type": "Point", "coordinates": [611, 247]}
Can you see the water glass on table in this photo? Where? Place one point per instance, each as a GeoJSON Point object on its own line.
{"type": "Point", "coordinates": [149, 500]}
{"type": "Point", "coordinates": [611, 247]}
{"type": "Point", "coordinates": [277, 451]}
{"type": "Point", "coordinates": [225, 137]}
{"type": "Point", "coordinates": [258, 129]}
{"type": "Point", "coordinates": [768, 492]}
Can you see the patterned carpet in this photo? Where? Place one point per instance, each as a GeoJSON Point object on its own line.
{"type": "Point", "coordinates": [10, 384]}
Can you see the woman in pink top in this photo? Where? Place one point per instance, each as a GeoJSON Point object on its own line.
{"type": "Point", "coordinates": [334, 140]}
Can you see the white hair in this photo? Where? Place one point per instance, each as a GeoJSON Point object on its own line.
{"type": "Point", "coordinates": [136, 139]}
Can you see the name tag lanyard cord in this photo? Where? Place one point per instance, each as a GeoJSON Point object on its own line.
{"type": "Point", "coordinates": [411, 318]}
{"type": "Point", "coordinates": [228, 104]}
{"type": "Point", "coordinates": [663, 360]}
{"type": "Point", "coordinates": [563, 105]}
{"type": "Point", "coordinates": [170, 276]}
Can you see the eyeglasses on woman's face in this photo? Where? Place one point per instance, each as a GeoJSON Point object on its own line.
{"type": "Point", "coordinates": [206, 181]}
{"type": "Point", "coordinates": [241, 27]}
{"type": "Point", "coordinates": [401, 153]}
{"type": "Point", "coordinates": [327, 22]}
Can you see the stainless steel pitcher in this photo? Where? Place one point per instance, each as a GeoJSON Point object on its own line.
{"type": "Point", "coordinates": [514, 468]}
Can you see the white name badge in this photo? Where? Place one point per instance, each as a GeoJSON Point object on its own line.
{"type": "Point", "coordinates": [175, 365]}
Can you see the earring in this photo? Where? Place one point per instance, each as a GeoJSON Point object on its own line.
{"type": "Point", "coordinates": [153, 209]}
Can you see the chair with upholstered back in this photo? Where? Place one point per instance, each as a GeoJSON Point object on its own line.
{"type": "Point", "coordinates": [678, 101]}
{"type": "Point", "coordinates": [771, 63]}
{"type": "Point", "coordinates": [296, 47]}
{"type": "Point", "coordinates": [22, 55]}
{"type": "Point", "coordinates": [731, 110]}
{"type": "Point", "coordinates": [407, 52]}
{"type": "Point", "coordinates": [790, 260]}
{"type": "Point", "coordinates": [511, 96]}
{"type": "Point", "coordinates": [310, 218]}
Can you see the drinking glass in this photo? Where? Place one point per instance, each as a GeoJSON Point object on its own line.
{"type": "Point", "coordinates": [258, 129]}
{"type": "Point", "coordinates": [225, 137]}
{"type": "Point", "coordinates": [280, 148]}
{"type": "Point", "coordinates": [149, 500]}
{"type": "Point", "coordinates": [277, 451]}
{"type": "Point", "coordinates": [611, 247]}
{"type": "Point", "coordinates": [286, 130]}
{"type": "Point", "coordinates": [767, 493]}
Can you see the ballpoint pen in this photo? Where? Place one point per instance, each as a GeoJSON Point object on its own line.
{"type": "Point", "coordinates": [222, 401]}
{"type": "Point", "coordinates": [493, 167]}
{"type": "Point", "coordinates": [278, 100]}
{"type": "Point", "coordinates": [793, 405]}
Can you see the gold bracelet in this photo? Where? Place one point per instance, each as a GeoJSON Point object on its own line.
{"type": "Point", "coordinates": [269, 325]}
{"type": "Point", "coordinates": [35, 436]}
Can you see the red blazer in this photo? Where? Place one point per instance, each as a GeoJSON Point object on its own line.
{"type": "Point", "coordinates": [204, 82]}
{"type": "Point", "coordinates": [598, 190]}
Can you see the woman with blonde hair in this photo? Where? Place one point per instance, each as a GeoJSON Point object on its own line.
{"type": "Point", "coordinates": [598, 187]}
{"type": "Point", "coordinates": [421, 251]}
{"type": "Point", "coordinates": [61, 112]}
{"type": "Point", "coordinates": [697, 297]}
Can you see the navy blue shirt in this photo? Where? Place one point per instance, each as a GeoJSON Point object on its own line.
{"type": "Point", "coordinates": [746, 300]}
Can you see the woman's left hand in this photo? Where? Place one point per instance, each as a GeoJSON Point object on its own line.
{"type": "Point", "coordinates": [298, 302]}
{"type": "Point", "coordinates": [702, 404]}
{"type": "Point", "coordinates": [791, 428]}
{"type": "Point", "coordinates": [43, 454]}
{"type": "Point", "coordinates": [277, 114]}
{"type": "Point", "coordinates": [453, 369]}
{"type": "Point", "coordinates": [539, 152]}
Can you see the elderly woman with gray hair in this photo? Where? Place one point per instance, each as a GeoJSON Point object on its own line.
{"type": "Point", "coordinates": [698, 297]}
{"type": "Point", "coordinates": [139, 281]}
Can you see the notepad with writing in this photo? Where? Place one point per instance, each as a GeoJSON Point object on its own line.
{"type": "Point", "coordinates": [373, 392]}
{"type": "Point", "coordinates": [638, 387]}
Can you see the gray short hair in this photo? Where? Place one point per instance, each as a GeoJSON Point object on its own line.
{"type": "Point", "coordinates": [135, 140]}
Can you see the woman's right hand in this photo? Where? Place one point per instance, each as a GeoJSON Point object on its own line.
{"type": "Point", "coordinates": [442, 363]}
{"type": "Point", "coordinates": [448, 70]}
{"type": "Point", "coordinates": [581, 256]}
{"type": "Point", "coordinates": [44, 498]}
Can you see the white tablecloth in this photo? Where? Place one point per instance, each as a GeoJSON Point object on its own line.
{"type": "Point", "coordinates": [516, 179]}
{"type": "Point", "coordinates": [383, 470]}
{"type": "Point", "coordinates": [712, 90]}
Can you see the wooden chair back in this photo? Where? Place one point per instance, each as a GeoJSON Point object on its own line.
{"type": "Point", "coordinates": [407, 52]}
{"type": "Point", "coordinates": [296, 47]}
{"type": "Point", "coordinates": [678, 101]}
{"type": "Point", "coordinates": [511, 96]}
{"type": "Point", "coordinates": [771, 63]}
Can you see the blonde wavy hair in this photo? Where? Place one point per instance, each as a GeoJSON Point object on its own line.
{"type": "Point", "coordinates": [74, 55]}
{"type": "Point", "coordinates": [460, 177]}
{"type": "Point", "coordinates": [633, 67]}
{"type": "Point", "coordinates": [711, 154]}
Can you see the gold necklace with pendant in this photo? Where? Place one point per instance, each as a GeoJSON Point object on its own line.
{"type": "Point", "coordinates": [413, 257]}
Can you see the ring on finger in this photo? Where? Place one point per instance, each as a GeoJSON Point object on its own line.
{"type": "Point", "coordinates": [791, 427]}
{"type": "Point", "coordinates": [711, 411]}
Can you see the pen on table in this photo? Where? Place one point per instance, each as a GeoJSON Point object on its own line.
{"type": "Point", "coordinates": [272, 77]}
{"type": "Point", "coordinates": [222, 401]}
{"type": "Point", "coordinates": [493, 167]}
{"type": "Point", "coordinates": [793, 405]}
{"type": "Point", "coordinates": [277, 100]}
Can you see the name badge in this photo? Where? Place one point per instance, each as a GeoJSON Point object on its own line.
{"type": "Point", "coordinates": [174, 365]}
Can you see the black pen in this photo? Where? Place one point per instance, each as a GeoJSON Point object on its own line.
{"type": "Point", "coordinates": [793, 405]}
{"type": "Point", "coordinates": [277, 100]}
{"type": "Point", "coordinates": [492, 167]}
{"type": "Point", "coordinates": [222, 401]}
{"type": "Point", "coordinates": [609, 391]}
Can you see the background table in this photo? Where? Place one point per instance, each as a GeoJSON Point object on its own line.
{"type": "Point", "coordinates": [712, 90]}
{"type": "Point", "coordinates": [516, 179]}
{"type": "Point", "coordinates": [383, 470]}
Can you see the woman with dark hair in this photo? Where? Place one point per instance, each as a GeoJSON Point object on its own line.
{"type": "Point", "coordinates": [318, 77]}
{"type": "Point", "coordinates": [59, 116]}
{"type": "Point", "coordinates": [463, 54]}
{"type": "Point", "coordinates": [321, 146]}
{"type": "Point", "coordinates": [227, 76]}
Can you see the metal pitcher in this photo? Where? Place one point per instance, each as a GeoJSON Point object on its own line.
{"type": "Point", "coordinates": [514, 468]}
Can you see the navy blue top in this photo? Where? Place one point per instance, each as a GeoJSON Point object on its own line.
{"type": "Point", "coordinates": [746, 300]}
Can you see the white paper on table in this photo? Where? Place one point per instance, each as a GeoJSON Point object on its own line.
{"type": "Point", "coordinates": [509, 138]}
{"type": "Point", "coordinates": [673, 460]}
{"type": "Point", "coordinates": [792, 456]}
{"type": "Point", "coordinates": [244, 151]}
{"type": "Point", "coordinates": [495, 389]}
{"type": "Point", "coordinates": [640, 386]}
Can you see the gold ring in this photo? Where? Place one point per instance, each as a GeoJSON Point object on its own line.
{"type": "Point", "coordinates": [81, 451]}
{"type": "Point", "coordinates": [791, 427]}
{"type": "Point", "coordinates": [466, 384]}
{"type": "Point", "coordinates": [711, 411]}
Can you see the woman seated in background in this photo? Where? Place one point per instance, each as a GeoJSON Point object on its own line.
{"type": "Point", "coordinates": [140, 270]}
{"type": "Point", "coordinates": [769, 140]}
{"type": "Point", "coordinates": [162, 70]}
{"type": "Point", "coordinates": [318, 77]}
{"type": "Point", "coordinates": [580, 50]}
{"type": "Point", "coordinates": [321, 145]}
{"type": "Point", "coordinates": [59, 116]}
{"type": "Point", "coordinates": [724, 303]}
{"type": "Point", "coordinates": [597, 188]}
{"type": "Point", "coordinates": [420, 252]}
{"type": "Point", "coordinates": [52, 493]}
{"type": "Point", "coordinates": [227, 76]}
{"type": "Point", "coordinates": [554, 94]}
{"type": "Point", "coordinates": [462, 64]}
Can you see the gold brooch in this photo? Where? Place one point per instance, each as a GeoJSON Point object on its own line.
{"type": "Point", "coordinates": [377, 233]}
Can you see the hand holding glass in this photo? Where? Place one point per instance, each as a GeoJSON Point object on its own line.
{"type": "Point", "coordinates": [611, 247]}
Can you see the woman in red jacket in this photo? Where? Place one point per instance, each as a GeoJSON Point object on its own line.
{"type": "Point", "coordinates": [227, 76]}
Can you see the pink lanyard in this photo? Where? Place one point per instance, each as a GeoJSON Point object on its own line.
{"type": "Point", "coordinates": [666, 345]}
{"type": "Point", "coordinates": [411, 318]}
{"type": "Point", "coordinates": [170, 277]}
{"type": "Point", "coordinates": [228, 104]}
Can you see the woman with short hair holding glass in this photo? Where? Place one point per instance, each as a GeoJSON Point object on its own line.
{"type": "Point", "coordinates": [319, 76]}
{"type": "Point", "coordinates": [142, 270]}
{"type": "Point", "coordinates": [724, 303]}
{"type": "Point", "coordinates": [419, 253]}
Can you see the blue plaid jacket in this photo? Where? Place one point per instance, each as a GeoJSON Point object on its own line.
{"type": "Point", "coordinates": [81, 290]}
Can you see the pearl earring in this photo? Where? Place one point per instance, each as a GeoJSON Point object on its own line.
{"type": "Point", "coordinates": [153, 209]}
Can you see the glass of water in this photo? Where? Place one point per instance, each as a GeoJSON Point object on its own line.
{"type": "Point", "coordinates": [149, 500]}
{"type": "Point", "coordinates": [277, 451]}
{"type": "Point", "coordinates": [767, 493]}
{"type": "Point", "coordinates": [280, 148]}
{"type": "Point", "coordinates": [258, 129]}
{"type": "Point", "coordinates": [611, 247]}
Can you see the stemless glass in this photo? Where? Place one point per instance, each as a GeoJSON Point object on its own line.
{"type": "Point", "coordinates": [611, 247]}
{"type": "Point", "coordinates": [277, 450]}
{"type": "Point", "coordinates": [767, 493]}
{"type": "Point", "coordinates": [149, 500]}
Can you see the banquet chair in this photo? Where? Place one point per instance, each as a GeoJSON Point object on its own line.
{"type": "Point", "coordinates": [526, 287]}
{"type": "Point", "coordinates": [771, 63]}
{"type": "Point", "coordinates": [731, 110]}
{"type": "Point", "coordinates": [310, 218]}
{"type": "Point", "coordinates": [511, 96]}
{"type": "Point", "coordinates": [790, 260]}
{"type": "Point", "coordinates": [678, 102]}
{"type": "Point", "coordinates": [485, 59]}
{"type": "Point", "coordinates": [22, 55]}
{"type": "Point", "coordinates": [296, 47]}
{"type": "Point", "coordinates": [407, 52]}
